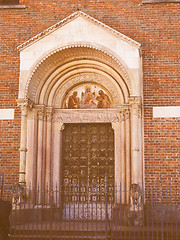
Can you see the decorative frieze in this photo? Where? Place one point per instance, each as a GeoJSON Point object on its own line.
{"type": "Point", "coordinates": [86, 116]}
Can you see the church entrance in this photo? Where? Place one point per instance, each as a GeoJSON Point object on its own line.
{"type": "Point", "coordinates": [87, 167]}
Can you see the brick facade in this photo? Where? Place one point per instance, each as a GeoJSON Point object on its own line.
{"type": "Point", "coordinates": [154, 26]}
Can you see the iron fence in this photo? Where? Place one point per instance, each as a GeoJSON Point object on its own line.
{"type": "Point", "coordinates": [94, 212]}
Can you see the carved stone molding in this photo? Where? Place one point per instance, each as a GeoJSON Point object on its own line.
{"type": "Point", "coordinates": [70, 18]}
{"type": "Point", "coordinates": [76, 51]}
{"type": "Point", "coordinates": [86, 116]}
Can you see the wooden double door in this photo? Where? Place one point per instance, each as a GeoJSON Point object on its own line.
{"type": "Point", "coordinates": [88, 162]}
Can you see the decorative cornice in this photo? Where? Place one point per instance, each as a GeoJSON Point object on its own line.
{"type": "Point", "coordinates": [71, 18]}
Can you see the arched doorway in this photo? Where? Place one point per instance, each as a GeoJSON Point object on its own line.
{"type": "Point", "coordinates": [54, 93]}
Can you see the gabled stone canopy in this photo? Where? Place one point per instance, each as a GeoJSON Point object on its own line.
{"type": "Point", "coordinates": [78, 42]}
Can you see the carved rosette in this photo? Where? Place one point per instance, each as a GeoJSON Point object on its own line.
{"type": "Point", "coordinates": [136, 106]}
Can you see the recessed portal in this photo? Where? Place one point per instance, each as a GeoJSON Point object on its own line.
{"type": "Point", "coordinates": [88, 165]}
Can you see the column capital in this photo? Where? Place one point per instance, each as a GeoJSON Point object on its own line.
{"type": "Point", "coordinates": [40, 111]}
{"type": "Point", "coordinates": [127, 113]}
{"type": "Point", "coordinates": [25, 105]}
{"type": "Point", "coordinates": [124, 112]}
{"type": "Point", "coordinates": [136, 105]}
{"type": "Point", "coordinates": [137, 100]}
{"type": "Point", "coordinates": [122, 115]}
{"type": "Point", "coordinates": [49, 113]}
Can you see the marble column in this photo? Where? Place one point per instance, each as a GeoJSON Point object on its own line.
{"type": "Point", "coordinates": [140, 124]}
{"type": "Point", "coordinates": [49, 112]}
{"type": "Point", "coordinates": [40, 148]}
{"type": "Point", "coordinates": [135, 103]}
{"type": "Point", "coordinates": [57, 160]}
{"type": "Point", "coordinates": [122, 150]}
{"type": "Point", "coordinates": [24, 106]}
{"type": "Point", "coordinates": [118, 171]}
{"type": "Point", "coordinates": [127, 153]}
{"type": "Point", "coordinates": [31, 149]}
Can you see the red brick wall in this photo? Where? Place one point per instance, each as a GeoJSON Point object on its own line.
{"type": "Point", "coordinates": [155, 26]}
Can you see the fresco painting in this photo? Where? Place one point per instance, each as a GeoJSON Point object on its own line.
{"type": "Point", "coordinates": [88, 96]}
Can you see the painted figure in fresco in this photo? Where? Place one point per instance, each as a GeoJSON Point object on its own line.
{"type": "Point", "coordinates": [88, 99]}
{"type": "Point", "coordinates": [103, 100]}
{"type": "Point", "coordinates": [73, 101]}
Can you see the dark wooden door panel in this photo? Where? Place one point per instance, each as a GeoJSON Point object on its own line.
{"type": "Point", "coordinates": [88, 156]}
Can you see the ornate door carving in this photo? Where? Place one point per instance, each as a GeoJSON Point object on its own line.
{"type": "Point", "coordinates": [88, 156]}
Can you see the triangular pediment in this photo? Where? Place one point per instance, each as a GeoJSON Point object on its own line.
{"type": "Point", "coordinates": [72, 20]}
{"type": "Point", "coordinates": [80, 32]}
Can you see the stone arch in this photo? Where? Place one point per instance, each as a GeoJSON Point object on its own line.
{"type": "Point", "coordinates": [69, 57]}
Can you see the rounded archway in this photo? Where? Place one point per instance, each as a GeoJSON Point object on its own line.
{"type": "Point", "coordinates": [62, 66]}
{"type": "Point", "coordinates": [76, 81]}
